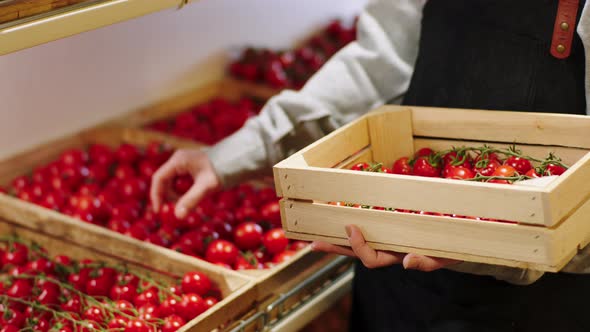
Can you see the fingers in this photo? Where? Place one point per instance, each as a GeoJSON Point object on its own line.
{"type": "Point", "coordinates": [370, 257]}
{"type": "Point", "coordinates": [331, 248]}
{"type": "Point", "coordinates": [203, 184]}
{"type": "Point", "coordinates": [426, 263]}
{"type": "Point", "coordinates": [160, 180]}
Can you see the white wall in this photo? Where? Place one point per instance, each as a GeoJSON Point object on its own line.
{"type": "Point", "coordinates": [69, 84]}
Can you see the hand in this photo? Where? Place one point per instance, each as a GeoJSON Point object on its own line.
{"type": "Point", "coordinates": [372, 258]}
{"type": "Point", "coordinates": [194, 162]}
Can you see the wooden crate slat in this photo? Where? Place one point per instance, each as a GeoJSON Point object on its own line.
{"type": "Point", "coordinates": [391, 135]}
{"type": "Point", "coordinates": [515, 242]}
{"type": "Point", "coordinates": [509, 127]}
{"type": "Point", "coordinates": [434, 253]}
{"type": "Point", "coordinates": [333, 149]}
{"type": "Point", "coordinates": [428, 194]}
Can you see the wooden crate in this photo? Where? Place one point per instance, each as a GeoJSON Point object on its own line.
{"type": "Point", "coordinates": [14, 9]}
{"type": "Point", "coordinates": [237, 291]}
{"type": "Point", "coordinates": [551, 219]}
{"type": "Point", "coordinates": [57, 224]}
{"type": "Point", "coordinates": [229, 88]}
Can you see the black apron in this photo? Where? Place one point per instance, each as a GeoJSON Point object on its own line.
{"type": "Point", "coordinates": [482, 54]}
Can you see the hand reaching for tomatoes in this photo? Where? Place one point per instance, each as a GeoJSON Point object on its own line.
{"type": "Point", "coordinates": [185, 161]}
{"type": "Point", "coordinates": [372, 258]}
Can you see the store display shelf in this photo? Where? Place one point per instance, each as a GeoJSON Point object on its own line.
{"type": "Point", "coordinates": [70, 20]}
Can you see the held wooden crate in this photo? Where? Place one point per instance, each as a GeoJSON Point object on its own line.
{"type": "Point", "coordinates": [237, 291]}
{"type": "Point", "coordinates": [553, 221]}
{"type": "Point", "coordinates": [58, 224]}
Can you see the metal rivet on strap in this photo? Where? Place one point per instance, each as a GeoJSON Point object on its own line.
{"type": "Point", "coordinates": [564, 26]}
{"type": "Point", "coordinates": [560, 48]}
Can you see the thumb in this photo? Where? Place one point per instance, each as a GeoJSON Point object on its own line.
{"type": "Point", "coordinates": [201, 186]}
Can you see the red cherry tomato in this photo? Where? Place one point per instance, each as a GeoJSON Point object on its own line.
{"type": "Point", "coordinates": [554, 169]}
{"type": "Point", "coordinates": [221, 251]}
{"type": "Point", "coordinates": [360, 167]}
{"type": "Point", "coordinates": [196, 282]}
{"type": "Point", "coordinates": [402, 166]}
{"type": "Point", "coordinates": [422, 167]}
{"type": "Point", "coordinates": [248, 235]}
{"type": "Point", "coordinates": [521, 165]}
{"type": "Point", "coordinates": [424, 152]}
{"type": "Point", "coordinates": [275, 241]}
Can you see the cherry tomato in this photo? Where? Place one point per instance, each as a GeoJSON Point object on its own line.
{"type": "Point", "coordinates": [191, 305]}
{"type": "Point", "coordinates": [490, 167]}
{"type": "Point", "coordinates": [168, 306]}
{"type": "Point", "coordinates": [17, 254]}
{"type": "Point", "coordinates": [196, 282]}
{"type": "Point", "coordinates": [126, 292]}
{"type": "Point", "coordinates": [422, 167]}
{"type": "Point", "coordinates": [504, 171]}
{"type": "Point", "coordinates": [11, 316]}
{"type": "Point", "coordinates": [74, 157]}
{"type": "Point", "coordinates": [521, 165]}
{"type": "Point", "coordinates": [360, 167]}
{"type": "Point", "coordinates": [554, 169]}
{"type": "Point", "coordinates": [101, 154]}
{"type": "Point", "coordinates": [248, 235]}
{"type": "Point", "coordinates": [211, 301]}
{"type": "Point", "coordinates": [423, 152]}
{"type": "Point", "coordinates": [275, 241]}
{"type": "Point", "coordinates": [94, 313]}
{"type": "Point", "coordinates": [73, 304]}
{"type": "Point", "coordinates": [271, 212]}
{"type": "Point", "coordinates": [458, 172]}
{"type": "Point", "coordinates": [10, 328]}
{"type": "Point", "coordinates": [182, 184]}
{"type": "Point", "coordinates": [127, 153]}
{"type": "Point", "coordinates": [283, 256]}
{"type": "Point", "coordinates": [118, 323]}
{"type": "Point", "coordinates": [137, 325]}
{"type": "Point", "coordinates": [172, 323]}
{"type": "Point", "coordinates": [221, 251]}
{"type": "Point", "coordinates": [148, 296]}
{"type": "Point", "coordinates": [533, 173]}
{"type": "Point", "coordinates": [168, 217]}
{"type": "Point", "coordinates": [298, 245]}
{"type": "Point", "coordinates": [402, 166]}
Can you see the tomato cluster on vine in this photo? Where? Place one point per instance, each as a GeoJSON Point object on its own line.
{"type": "Point", "coordinates": [483, 163]}
{"type": "Point", "coordinates": [40, 293]}
{"type": "Point", "coordinates": [292, 68]}
{"type": "Point", "coordinates": [238, 227]}
{"type": "Point", "coordinates": [211, 121]}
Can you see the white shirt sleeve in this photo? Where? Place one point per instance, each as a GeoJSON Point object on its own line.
{"type": "Point", "coordinates": [375, 69]}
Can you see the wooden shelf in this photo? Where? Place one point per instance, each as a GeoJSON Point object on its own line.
{"type": "Point", "coordinates": [73, 19]}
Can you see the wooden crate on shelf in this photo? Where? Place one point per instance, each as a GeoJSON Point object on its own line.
{"type": "Point", "coordinates": [11, 10]}
{"type": "Point", "coordinates": [552, 223]}
{"type": "Point", "coordinates": [238, 293]}
{"type": "Point", "coordinates": [57, 224]}
{"type": "Point", "coordinates": [229, 88]}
